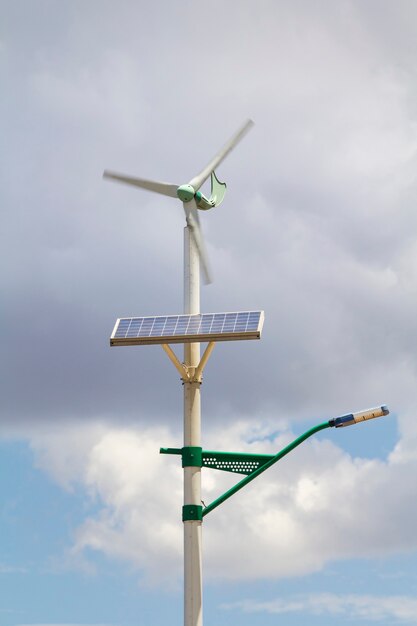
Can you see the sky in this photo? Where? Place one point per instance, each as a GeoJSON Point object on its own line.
{"type": "Point", "coordinates": [318, 229]}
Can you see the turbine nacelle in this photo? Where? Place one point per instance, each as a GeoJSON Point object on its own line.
{"type": "Point", "coordinates": [218, 190]}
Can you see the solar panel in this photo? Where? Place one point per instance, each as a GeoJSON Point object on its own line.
{"type": "Point", "coordinates": [129, 331]}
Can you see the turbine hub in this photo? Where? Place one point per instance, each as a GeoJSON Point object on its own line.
{"type": "Point", "coordinates": [185, 193]}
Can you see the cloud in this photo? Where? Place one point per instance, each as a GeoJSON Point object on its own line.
{"type": "Point", "coordinates": [66, 624]}
{"type": "Point", "coordinates": [401, 609]}
{"type": "Point", "coordinates": [11, 569]}
{"type": "Point", "coordinates": [105, 94]}
{"type": "Point", "coordinates": [318, 228]}
{"type": "Point", "coordinates": [313, 507]}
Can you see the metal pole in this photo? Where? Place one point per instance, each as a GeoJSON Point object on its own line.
{"type": "Point", "coordinates": [193, 587]}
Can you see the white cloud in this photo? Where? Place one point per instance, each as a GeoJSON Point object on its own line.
{"type": "Point", "coordinates": [12, 569]}
{"type": "Point", "coordinates": [402, 609]}
{"type": "Point", "coordinates": [66, 624]}
{"type": "Point", "coordinates": [319, 230]}
{"type": "Point", "coordinates": [317, 505]}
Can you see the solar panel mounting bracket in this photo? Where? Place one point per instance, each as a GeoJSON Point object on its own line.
{"type": "Point", "coordinates": [190, 374]}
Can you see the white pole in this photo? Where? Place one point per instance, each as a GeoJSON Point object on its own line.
{"type": "Point", "coordinates": [193, 586]}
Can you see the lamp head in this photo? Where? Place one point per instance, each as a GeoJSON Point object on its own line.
{"type": "Point", "coordinates": [361, 416]}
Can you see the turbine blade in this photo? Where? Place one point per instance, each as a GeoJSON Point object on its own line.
{"type": "Point", "coordinates": [166, 189]}
{"type": "Point", "coordinates": [193, 222]}
{"type": "Point", "coordinates": [201, 178]}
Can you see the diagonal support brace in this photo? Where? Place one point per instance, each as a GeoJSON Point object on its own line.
{"type": "Point", "coordinates": [198, 374]}
{"type": "Point", "coordinates": [182, 369]}
{"type": "Point", "coordinates": [242, 483]}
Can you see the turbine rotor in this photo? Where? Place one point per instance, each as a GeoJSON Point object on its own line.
{"type": "Point", "coordinates": [190, 194]}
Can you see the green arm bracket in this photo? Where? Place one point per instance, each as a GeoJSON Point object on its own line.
{"type": "Point", "coordinates": [237, 462]}
{"type": "Point", "coordinates": [264, 467]}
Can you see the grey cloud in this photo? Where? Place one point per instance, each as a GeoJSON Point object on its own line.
{"type": "Point", "coordinates": [318, 227]}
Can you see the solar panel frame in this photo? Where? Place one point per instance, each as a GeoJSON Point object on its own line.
{"type": "Point", "coordinates": [198, 328]}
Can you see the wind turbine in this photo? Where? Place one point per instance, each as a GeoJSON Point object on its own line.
{"type": "Point", "coordinates": [191, 368]}
{"type": "Point", "coordinates": [191, 329]}
{"type": "Point", "coordinates": [190, 193]}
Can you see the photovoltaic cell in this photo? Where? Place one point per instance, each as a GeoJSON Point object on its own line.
{"type": "Point", "coordinates": [188, 328]}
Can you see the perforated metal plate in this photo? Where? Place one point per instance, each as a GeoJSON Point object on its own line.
{"type": "Point", "coordinates": [236, 462]}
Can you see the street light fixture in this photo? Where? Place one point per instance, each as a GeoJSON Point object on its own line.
{"type": "Point", "coordinates": [361, 416]}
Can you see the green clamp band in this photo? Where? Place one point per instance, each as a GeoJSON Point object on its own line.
{"type": "Point", "coordinates": [192, 456]}
{"type": "Point", "coordinates": [192, 512]}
